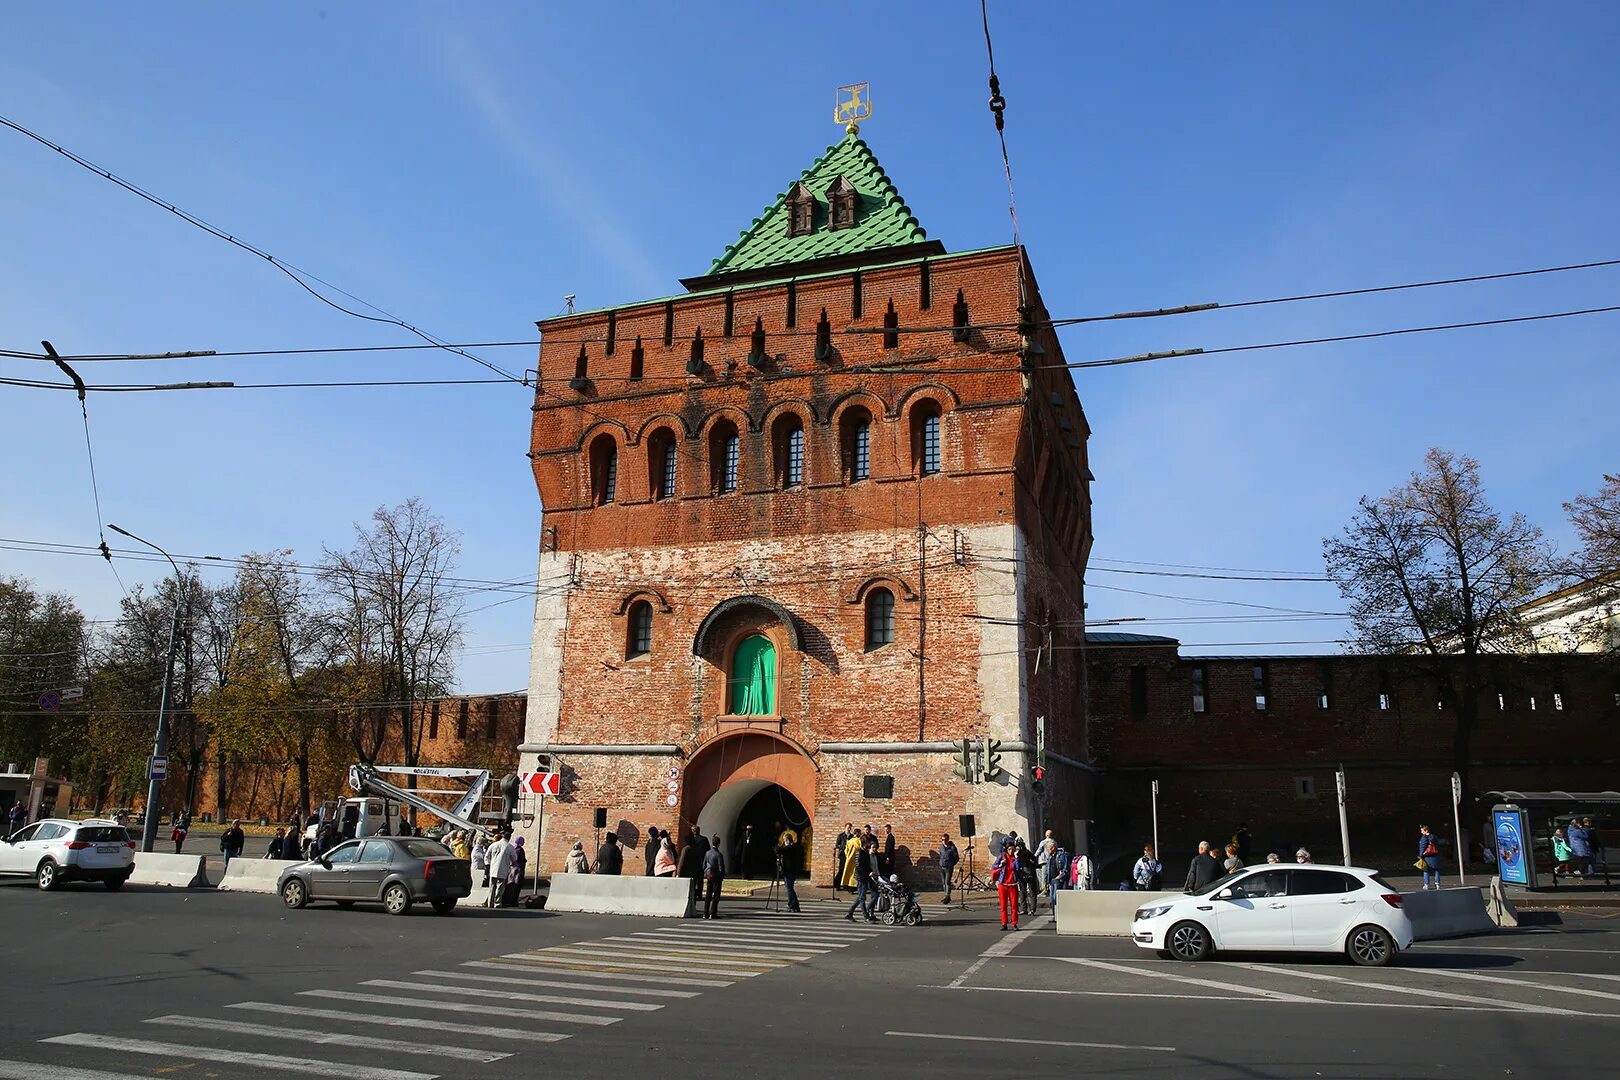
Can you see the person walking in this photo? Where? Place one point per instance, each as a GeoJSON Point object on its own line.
{"type": "Point", "coordinates": [1580, 845]}
{"type": "Point", "coordinates": [886, 861]}
{"type": "Point", "coordinates": [1145, 874]}
{"type": "Point", "coordinates": [499, 859]}
{"type": "Point", "coordinates": [577, 863]}
{"type": "Point", "coordinates": [514, 876]}
{"type": "Point", "coordinates": [18, 816]}
{"type": "Point", "coordinates": [852, 848]}
{"type": "Point", "coordinates": [650, 850]}
{"type": "Point", "coordinates": [664, 861]}
{"type": "Point", "coordinates": [864, 864]}
{"type": "Point", "coordinates": [714, 877]}
{"type": "Point", "coordinates": [1204, 869]}
{"type": "Point", "coordinates": [689, 865]}
{"type": "Point", "coordinates": [1303, 857]}
{"type": "Point", "coordinates": [1029, 882]}
{"type": "Point", "coordinates": [1043, 859]}
{"type": "Point", "coordinates": [1594, 845]}
{"type": "Point", "coordinates": [1005, 874]}
{"type": "Point", "coordinates": [327, 838]}
{"type": "Point", "coordinates": [609, 857]}
{"type": "Point", "coordinates": [1429, 857]}
{"type": "Point", "coordinates": [838, 856]}
{"type": "Point", "coordinates": [231, 842]}
{"type": "Point", "coordinates": [480, 859]}
{"type": "Point", "coordinates": [789, 855]}
{"type": "Point", "coordinates": [948, 858]}
{"type": "Point", "coordinates": [1083, 872]}
{"type": "Point", "coordinates": [277, 845]}
{"type": "Point", "coordinates": [182, 826]}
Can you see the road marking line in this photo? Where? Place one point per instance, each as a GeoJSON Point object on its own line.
{"type": "Point", "coordinates": [1582, 991]}
{"type": "Point", "coordinates": [1001, 948]}
{"type": "Point", "coordinates": [337, 1038]}
{"type": "Point", "coordinates": [237, 1057]}
{"type": "Point", "coordinates": [1189, 980]}
{"type": "Point", "coordinates": [809, 938]}
{"type": "Point", "coordinates": [576, 972]}
{"type": "Point", "coordinates": [558, 984]}
{"type": "Point", "coordinates": [738, 947]}
{"type": "Point", "coordinates": [744, 926]}
{"type": "Point", "coordinates": [1027, 1042]}
{"type": "Point", "coordinates": [638, 964]}
{"type": "Point", "coordinates": [1510, 948]}
{"type": "Point", "coordinates": [1511, 1006]}
{"type": "Point", "coordinates": [1275, 1000]}
{"type": "Point", "coordinates": [1577, 975]}
{"type": "Point", "coordinates": [400, 1021]}
{"type": "Point", "coordinates": [461, 1006]}
{"type": "Point", "coordinates": [511, 995]}
{"type": "Point", "coordinates": [28, 1070]}
{"type": "Point", "coordinates": [650, 955]}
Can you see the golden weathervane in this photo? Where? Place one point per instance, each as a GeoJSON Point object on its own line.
{"type": "Point", "coordinates": [853, 104]}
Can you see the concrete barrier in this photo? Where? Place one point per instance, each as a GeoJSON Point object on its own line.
{"type": "Point", "coordinates": [177, 871]}
{"type": "Point", "coordinates": [254, 875]}
{"type": "Point", "coordinates": [1100, 912]}
{"type": "Point", "coordinates": [1443, 913]}
{"type": "Point", "coordinates": [1502, 910]}
{"type": "Point", "coordinates": [607, 894]}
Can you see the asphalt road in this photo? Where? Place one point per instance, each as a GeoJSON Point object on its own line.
{"type": "Point", "coordinates": [150, 982]}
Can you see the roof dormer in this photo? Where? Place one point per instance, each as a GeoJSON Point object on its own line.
{"type": "Point", "coordinates": [801, 206]}
{"type": "Point", "coordinates": [842, 200]}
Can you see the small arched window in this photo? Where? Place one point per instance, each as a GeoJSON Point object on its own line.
{"type": "Point", "coordinates": [604, 470]}
{"type": "Point", "coordinates": [879, 618]}
{"type": "Point", "coordinates": [752, 684]}
{"type": "Point", "coordinates": [661, 463]}
{"type": "Point", "coordinates": [788, 437]}
{"type": "Point", "coordinates": [856, 433]}
{"type": "Point", "coordinates": [638, 638]}
{"type": "Point", "coordinates": [925, 438]}
{"type": "Point", "coordinates": [724, 453]}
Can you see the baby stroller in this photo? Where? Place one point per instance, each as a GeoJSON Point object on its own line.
{"type": "Point", "coordinates": [896, 904]}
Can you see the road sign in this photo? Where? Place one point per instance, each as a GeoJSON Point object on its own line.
{"type": "Point", "coordinates": [72, 693]}
{"type": "Point", "coordinates": [671, 800]}
{"type": "Point", "coordinates": [672, 773]}
{"type": "Point", "coordinates": [541, 783]}
{"type": "Point", "coordinates": [50, 701]}
{"type": "Point", "coordinates": [157, 767]}
{"type": "Point", "coordinates": [674, 786]}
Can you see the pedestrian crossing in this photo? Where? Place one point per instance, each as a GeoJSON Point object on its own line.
{"type": "Point", "coordinates": [424, 1024]}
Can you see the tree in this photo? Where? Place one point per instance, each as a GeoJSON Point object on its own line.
{"type": "Point", "coordinates": [398, 619]}
{"type": "Point", "coordinates": [1432, 568]}
{"type": "Point", "coordinates": [1597, 564]}
{"type": "Point", "coordinates": [42, 647]}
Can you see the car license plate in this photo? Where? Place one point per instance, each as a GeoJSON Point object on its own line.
{"type": "Point", "coordinates": [106, 849]}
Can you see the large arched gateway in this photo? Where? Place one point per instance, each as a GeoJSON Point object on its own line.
{"type": "Point", "coordinates": [750, 777]}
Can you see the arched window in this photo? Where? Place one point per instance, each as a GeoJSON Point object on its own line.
{"type": "Point", "coordinates": [724, 451]}
{"type": "Point", "coordinates": [788, 439]}
{"type": "Point", "coordinates": [661, 463]}
{"type": "Point", "coordinates": [604, 470]}
{"type": "Point", "coordinates": [856, 439]}
{"type": "Point", "coordinates": [879, 618]}
{"type": "Point", "coordinates": [925, 438]}
{"type": "Point", "coordinates": [753, 678]}
{"type": "Point", "coordinates": [638, 639]}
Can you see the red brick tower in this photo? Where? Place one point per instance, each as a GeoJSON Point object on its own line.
{"type": "Point", "coordinates": [807, 526]}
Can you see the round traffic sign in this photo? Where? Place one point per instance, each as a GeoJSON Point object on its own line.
{"type": "Point", "coordinates": [671, 800]}
{"type": "Point", "coordinates": [50, 701]}
{"type": "Point", "coordinates": [673, 773]}
{"type": "Point", "coordinates": [674, 786]}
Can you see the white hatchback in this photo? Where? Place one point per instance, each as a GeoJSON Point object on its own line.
{"type": "Point", "coordinates": [1302, 908]}
{"type": "Point", "coordinates": [56, 850]}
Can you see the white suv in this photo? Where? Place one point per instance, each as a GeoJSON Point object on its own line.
{"type": "Point", "coordinates": [1300, 908]}
{"type": "Point", "coordinates": [57, 850]}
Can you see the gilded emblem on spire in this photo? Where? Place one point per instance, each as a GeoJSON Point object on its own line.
{"type": "Point", "coordinates": [853, 104]}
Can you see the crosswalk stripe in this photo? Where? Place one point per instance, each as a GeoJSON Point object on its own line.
{"type": "Point", "coordinates": [30, 1070]}
{"type": "Point", "coordinates": [461, 1006]}
{"type": "Point", "coordinates": [1580, 990]}
{"type": "Point", "coordinates": [447, 1026]}
{"type": "Point", "coordinates": [1467, 999]}
{"type": "Point", "coordinates": [616, 970]}
{"type": "Point", "coordinates": [744, 926]}
{"type": "Point", "coordinates": [728, 947]}
{"type": "Point", "coordinates": [340, 1038]}
{"type": "Point", "coordinates": [512, 995]}
{"type": "Point", "coordinates": [558, 983]}
{"type": "Point", "coordinates": [689, 958]}
{"type": "Point", "coordinates": [514, 962]}
{"type": "Point", "coordinates": [804, 944]}
{"type": "Point", "coordinates": [591, 958]}
{"type": "Point", "coordinates": [237, 1057]}
{"type": "Point", "coordinates": [814, 924]}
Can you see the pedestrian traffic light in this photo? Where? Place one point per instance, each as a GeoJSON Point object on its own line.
{"type": "Point", "coordinates": [1038, 784]}
{"type": "Point", "coordinates": [992, 759]}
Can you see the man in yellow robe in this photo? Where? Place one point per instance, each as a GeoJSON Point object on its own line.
{"type": "Point", "coordinates": [851, 846]}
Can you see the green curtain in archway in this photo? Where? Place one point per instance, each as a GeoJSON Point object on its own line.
{"type": "Point", "coordinates": [753, 678]}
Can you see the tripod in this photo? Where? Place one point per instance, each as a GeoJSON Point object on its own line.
{"type": "Point", "coordinates": [966, 880]}
{"type": "Point", "coordinates": [772, 901]}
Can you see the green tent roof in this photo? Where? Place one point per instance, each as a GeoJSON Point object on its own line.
{"type": "Point", "coordinates": [883, 221]}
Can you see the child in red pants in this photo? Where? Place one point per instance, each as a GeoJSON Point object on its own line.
{"type": "Point", "coordinates": [1004, 872]}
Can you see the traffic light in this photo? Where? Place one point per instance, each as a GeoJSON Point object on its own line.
{"type": "Point", "coordinates": [509, 796]}
{"type": "Point", "coordinates": [992, 760]}
{"type": "Point", "coordinates": [964, 761]}
{"type": "Point", "coordinates": [1038, 784]}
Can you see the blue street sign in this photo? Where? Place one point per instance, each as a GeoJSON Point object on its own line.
{"type": "Point", "coordinates": [157, 768]}
{"type": "Point", "coordinates": [50, 701]}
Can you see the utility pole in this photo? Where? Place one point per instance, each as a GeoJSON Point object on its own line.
{"type": "Point", "coordinates": [160, 745]}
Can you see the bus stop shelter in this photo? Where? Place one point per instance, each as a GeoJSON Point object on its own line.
{"type": "Point", "coordinates": [1548, 810]}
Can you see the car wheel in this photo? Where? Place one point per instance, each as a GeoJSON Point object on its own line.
{"type": "Point", "coordinates": [114, 883]}
{"type": "Point", "coordinates": [397, 899]}
{"type": "Point", "coordinates": [1188, 941]}
{"type": "Point", "coordinates": [1370, 946]}
{"type": "Point", "coordinates": [293, 893]}
{"type": "Point", "coordinates": [47, 876]}
{"type": "Point", "coordinates": [444, 907]}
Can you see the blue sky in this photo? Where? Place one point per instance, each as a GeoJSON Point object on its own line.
{"type": "Point", "coordinates": [467, 165]}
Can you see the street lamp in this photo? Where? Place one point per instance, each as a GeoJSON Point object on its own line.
{"type": "Point", "coordinates": [160, 747]}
